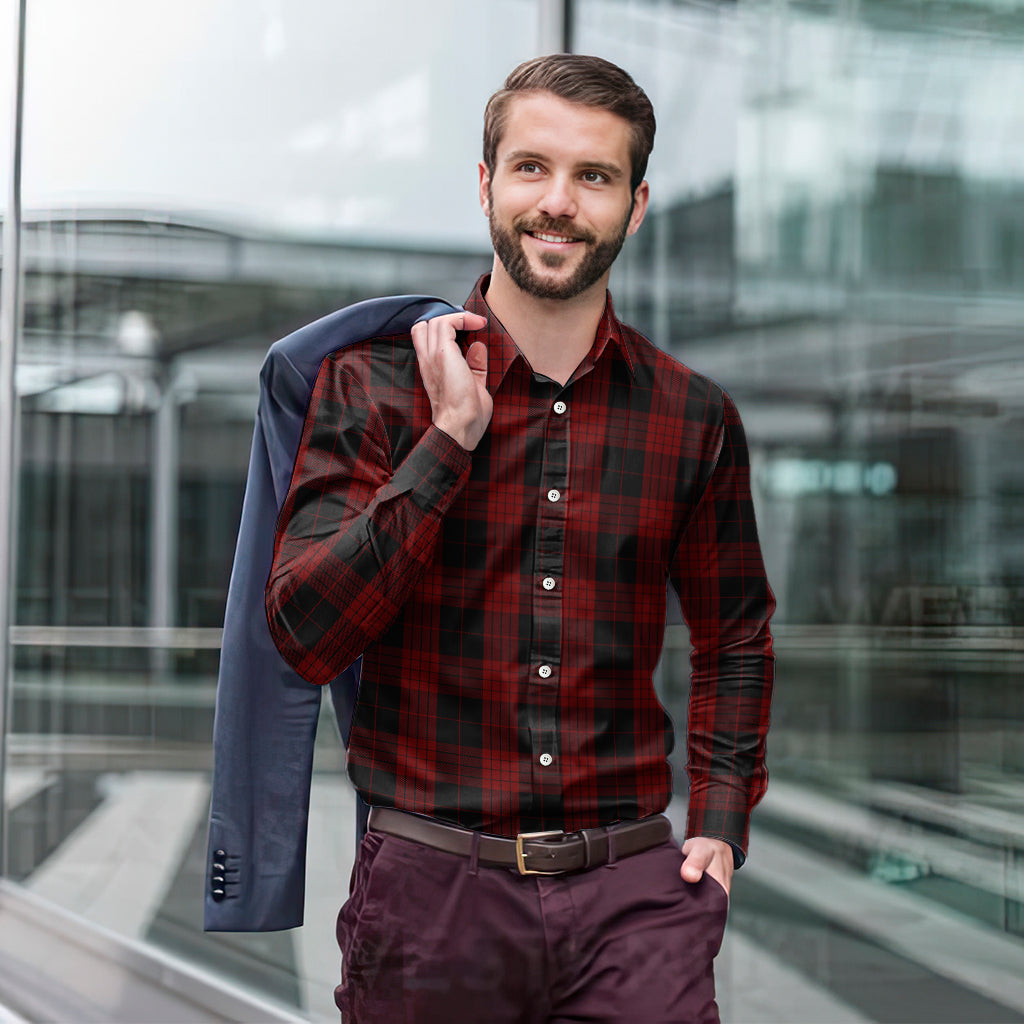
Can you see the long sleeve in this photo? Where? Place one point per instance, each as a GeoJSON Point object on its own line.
{"type": "Point", "coordinates": [355, 534]}
{"type": "Point", "coordinates": [726, 601]}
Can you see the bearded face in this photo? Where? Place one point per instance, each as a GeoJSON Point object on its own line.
{"type": "Point", "coordinates": [553, 274]}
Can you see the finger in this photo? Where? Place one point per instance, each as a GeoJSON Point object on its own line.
{"type": "Point", "coordinates": [419, 338]}
{"type": "Point", "coordinates": [441, 330]}
{"type": "Point", "coordinates": [427, 336]}
{"type": "Point", "coordinates": [463, 320]}
{"type": "Point", "coordinates": [472, 321]}
{"type": "Point", "coordinates": [477, 357]}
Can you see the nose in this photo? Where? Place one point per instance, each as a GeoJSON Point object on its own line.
{"type": "Point", "coordinates": [559, 199]}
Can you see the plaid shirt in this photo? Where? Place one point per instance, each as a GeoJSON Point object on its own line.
{"type": "Point", "coordinates": [509, 603]}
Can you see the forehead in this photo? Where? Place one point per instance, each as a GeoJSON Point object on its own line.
{"type": "Point", "coordinates": [540, 122]}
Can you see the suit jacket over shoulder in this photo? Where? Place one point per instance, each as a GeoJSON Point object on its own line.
{"type": "Point", "coordinates": [266, 715]}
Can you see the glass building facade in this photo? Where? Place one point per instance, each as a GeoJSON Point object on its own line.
{"type": "Point", "coordinates": [836, 235]}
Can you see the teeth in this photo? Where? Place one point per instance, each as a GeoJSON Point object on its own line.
{"type": "Point", "coordinates": [551, 238]}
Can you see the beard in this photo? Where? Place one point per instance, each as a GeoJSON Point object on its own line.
{"type": "Point", "coordinates": [598, 256]}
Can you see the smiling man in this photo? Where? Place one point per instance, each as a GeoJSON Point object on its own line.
{"type": "Point", "coordinates": [490, 510]}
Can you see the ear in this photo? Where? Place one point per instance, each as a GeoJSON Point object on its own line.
{"type": "Point", "coordinates": [485, 181]}
{"type": "Point", "coordinates": [640, 199]}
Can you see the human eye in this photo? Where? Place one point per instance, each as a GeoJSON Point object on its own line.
{"type": "Point", "coordinates": [594, 177]}
{"type": "Point", "coordinates": [528, 167]}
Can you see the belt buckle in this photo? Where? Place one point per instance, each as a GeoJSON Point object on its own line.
{"type": "Point", "coordinates": [521, 855]}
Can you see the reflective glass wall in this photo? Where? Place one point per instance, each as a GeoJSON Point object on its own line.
{"type": "Point", "coordinates": [199, 180]}
{"type": "Point", "coordinates": [836, 236]}
{"type": "Point", "coordinates": [8, 24]}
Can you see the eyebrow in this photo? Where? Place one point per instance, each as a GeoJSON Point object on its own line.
{"type": "Point", "coordinates": [613, 171]}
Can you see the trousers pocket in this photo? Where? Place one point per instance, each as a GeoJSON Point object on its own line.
{"type": "Point", "coordinates": [359, 885]}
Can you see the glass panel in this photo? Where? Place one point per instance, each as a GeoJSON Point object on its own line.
{"type": "Point", "coordinates": [349, 120]}
{"type": "Point", "coordinates": [8, 55]}
{"type": "Point", "coordinates": [836, 236]}
{"type": "Point", "coordinates": [8, 26]}
{"type": "Point", "coordinates": [200, 179]}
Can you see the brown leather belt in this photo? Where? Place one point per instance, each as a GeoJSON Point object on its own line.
{"type": "Point", "coordinates": [530, 853]}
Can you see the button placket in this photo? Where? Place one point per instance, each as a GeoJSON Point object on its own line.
{"type": "Point", "coordinates": [548, 561]}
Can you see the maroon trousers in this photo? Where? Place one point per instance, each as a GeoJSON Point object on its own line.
{"type": "Point", "coordinates": [429, 937]}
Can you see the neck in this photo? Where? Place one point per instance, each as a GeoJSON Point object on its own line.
{"type": "Point", "coordinates": [553, 334]}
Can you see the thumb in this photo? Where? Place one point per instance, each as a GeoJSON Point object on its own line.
{"type": "Point", "coordinates": [476, 356]}
{"type": "Point", "coordinates": [694, 864]}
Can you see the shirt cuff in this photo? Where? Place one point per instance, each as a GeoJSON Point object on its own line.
{"type": "Point", "coordinates": [433, 471]}
{"type": "Point", "coordinates": [720, 811]}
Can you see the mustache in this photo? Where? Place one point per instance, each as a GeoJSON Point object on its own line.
{"type": "Point", "coordinates": [553, 227]}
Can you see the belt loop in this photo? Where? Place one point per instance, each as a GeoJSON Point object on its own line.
{"type": "Point", "coordinates": [474, 853]}
{"type": "Point", "coordinates": [611, 846]}
{"type": "Point", "coordinates": [585, 834]}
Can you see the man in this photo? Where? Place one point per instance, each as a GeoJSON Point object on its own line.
{"type": "Point", "coordinates": [489, 512]}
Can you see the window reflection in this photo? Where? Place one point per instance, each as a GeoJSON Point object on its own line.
{"type": "Point", "coordinates": [854, 281]}
{"type": "Point", "coordinates": [199, 180]}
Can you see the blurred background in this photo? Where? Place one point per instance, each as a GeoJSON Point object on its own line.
{"type": "Point", "coordinates": [836, 235]}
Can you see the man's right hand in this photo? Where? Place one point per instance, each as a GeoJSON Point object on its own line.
{"type": "Point", "coordinates": [456, 386]}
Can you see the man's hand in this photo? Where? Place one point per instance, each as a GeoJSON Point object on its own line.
{"type": "Point", "coordinates": [710, 855]}
{"type": "Point", "coordinates": [457, 387]}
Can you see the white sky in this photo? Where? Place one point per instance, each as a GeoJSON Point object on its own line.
{"type": "Point", "coordinates": [363, 119]}
{"type": "Point", "coordinates": [337, 117]}
{"type": "Point", "coordinates": [328, 116]}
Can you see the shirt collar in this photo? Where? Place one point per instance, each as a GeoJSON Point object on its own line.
{"type": "Point", "coordinates": [502, 350]}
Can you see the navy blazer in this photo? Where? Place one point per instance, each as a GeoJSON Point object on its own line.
{"type": "Point", "coordinates": [266, 714]}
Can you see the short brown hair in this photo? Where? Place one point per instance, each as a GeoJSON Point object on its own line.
{"type": "Point", "coordinates": [592, 81]}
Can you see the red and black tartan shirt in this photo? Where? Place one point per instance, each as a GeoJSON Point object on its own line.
{"type": "Point", "coordinates": [509, 603]}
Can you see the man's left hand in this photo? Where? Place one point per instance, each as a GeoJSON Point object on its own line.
{"type": "Point", "coordinates": [711, 855]}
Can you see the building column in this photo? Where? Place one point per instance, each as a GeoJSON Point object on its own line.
{"type": "Point", "coordinates": [163, 545]}
{"type": "Point", "coordinates": [554, 26]}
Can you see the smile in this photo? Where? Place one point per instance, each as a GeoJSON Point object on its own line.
{"type": "Point", "coordinates": [560, 239]}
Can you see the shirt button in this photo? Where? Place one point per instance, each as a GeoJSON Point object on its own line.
{"type": "Point", "coordinates": [553, 495]}
{"type": "Point", "coordinates": [546, 759]}
{"type": "Point", "coordinates": [560, 407]}
{"type": "Point", "coordinates": [544, 671]}
{"type": "Point", "coordinates": [548, 583]}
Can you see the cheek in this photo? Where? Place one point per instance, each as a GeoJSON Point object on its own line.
{"type": "Point", "coordinates": [514, 198]}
